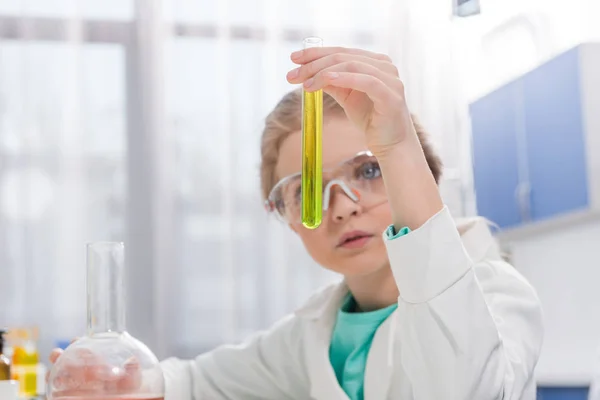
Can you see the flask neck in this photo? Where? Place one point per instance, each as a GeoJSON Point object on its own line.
{"type": "Point", "coordinates": [105, 288]}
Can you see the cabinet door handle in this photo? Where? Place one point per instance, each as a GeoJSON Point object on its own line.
{"type": "Point", "coordinates": [522, 197]}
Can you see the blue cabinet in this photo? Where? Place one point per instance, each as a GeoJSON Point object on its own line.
{"type": "Point", "coordinates": [495, 155]}
{"type": "Point", "coordinates": [562, 393]}
{"type": "Point", "coordinates": [533, 142]}
{"type": "Point", "coordinates": [554, 134]}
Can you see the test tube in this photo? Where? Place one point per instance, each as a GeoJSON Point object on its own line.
{"type": "Point", "coordinates": [312, 167]}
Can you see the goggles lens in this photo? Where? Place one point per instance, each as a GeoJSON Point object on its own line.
{"type": "Point", "coordinates": [359, 178]}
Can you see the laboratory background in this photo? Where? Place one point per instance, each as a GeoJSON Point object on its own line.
{"type": "Point", "coordinates": [139, 121]}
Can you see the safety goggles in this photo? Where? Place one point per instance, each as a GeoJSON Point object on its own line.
{"type": "Point", "coordinates": [359, 178]}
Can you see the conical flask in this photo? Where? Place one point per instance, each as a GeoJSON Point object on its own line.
{"type": "Point", "coordinates": [108, 363]}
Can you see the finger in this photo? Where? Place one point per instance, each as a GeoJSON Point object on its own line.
{"type": "Point", "coordinates": [82, 369]}
{"type": "Point", "coordinates": [383, 98]}
{"type": "Point", "coordinates": [54, 355]}
{"type": "Point", "coordinates": [392, 82]}
{"type": "Point", "coordinates": [313, 53]}
{"type": "Point", "coordinates": [132, 379]}
{"type": "Point", "coordinates": [339, 94]}
{"type": "Point", "coordinates": [72, 371]}
{"type": "Point", "coordinates": [310, 69]}
{"type": "Point", "coordinates": [92, 366]}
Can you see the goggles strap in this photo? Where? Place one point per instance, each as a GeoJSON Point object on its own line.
{"type": "Point", "coordinates": [344, 186]}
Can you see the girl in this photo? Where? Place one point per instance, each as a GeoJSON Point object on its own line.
{"type": "Point", "coordinates": [427, 308]}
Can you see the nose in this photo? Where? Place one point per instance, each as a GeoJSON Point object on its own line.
{"type": "Point", "coordinates": [342, 206]}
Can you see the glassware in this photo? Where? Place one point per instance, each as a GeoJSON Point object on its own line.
{"type": "Point", "coordinates": [312, 164]}
{"type": "Point", "coordinates": [4, 361]}
{"type": "Point", "coordinates": [108, 363]}
{"type": "Point", "coordinates": [25, 360]}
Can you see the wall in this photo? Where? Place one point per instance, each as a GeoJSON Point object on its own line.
{"type": "Point", "coordinates": [564, 267]}
{"type": "Point", "coordinates": [507, 39]}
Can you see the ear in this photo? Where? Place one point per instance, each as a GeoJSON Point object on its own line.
{"type": "Point", "coordinates": [294, 228]}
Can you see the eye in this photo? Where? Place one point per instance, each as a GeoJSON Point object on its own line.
{"type": "Point", "coordinates": [368, 170]}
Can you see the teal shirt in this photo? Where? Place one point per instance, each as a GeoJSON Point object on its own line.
{"type": "Point", "coordinates": [352, 337]}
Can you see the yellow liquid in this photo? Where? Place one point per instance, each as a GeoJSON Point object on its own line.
{"type": "Point", "coordinates": [312, 164]}
{"type": "Point", "coordinates": [26, 375]}
{"type": "Point", "coordinates": [25, 370]}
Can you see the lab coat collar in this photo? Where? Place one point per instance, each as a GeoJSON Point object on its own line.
{"type": "Point", "coordinates": [476, 237]}
{"type": "Point", "coordinates": [321, 310]}
{"type": "Point", "coordinates": [326, 302]}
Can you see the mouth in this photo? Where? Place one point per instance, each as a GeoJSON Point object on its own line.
{"type": "Point", "coordinates": [354, 240]}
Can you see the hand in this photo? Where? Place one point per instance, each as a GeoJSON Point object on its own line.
{"type": "Point", "coordinates": [53, 358]}
{"type": "Point", "coordinates": [85, 374]}
{"type": "Point", "coordinates": [366, 85]}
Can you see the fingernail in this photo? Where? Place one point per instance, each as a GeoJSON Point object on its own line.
{"type": "Point", "coordinates": [297, 54]}
{"type": "Point", "coordinates": [293, 74]}
{"type": "Point", "coordinates": [309, 82]}
{"type": "Point", "coordinates": [332, 75]}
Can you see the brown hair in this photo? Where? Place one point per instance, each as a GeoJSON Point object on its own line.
{"type": "Point", "coordinates": [286, 119]}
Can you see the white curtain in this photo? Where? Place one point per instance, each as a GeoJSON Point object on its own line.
{"type": "Point", "coordinates": [140, 121]}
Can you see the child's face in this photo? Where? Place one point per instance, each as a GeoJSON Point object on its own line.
{"type": "Point", "coordinates": [341, 141]}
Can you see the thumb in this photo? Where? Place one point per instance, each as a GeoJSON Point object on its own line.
{"type": "Point", "coordinates": [54, 355]}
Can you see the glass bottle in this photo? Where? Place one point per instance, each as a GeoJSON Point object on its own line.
{"type": "Point", "coordinates": [4, 361]}
{"type": "Point", "coordinates": [25, 360]}
{"type": "Point", "coordinates": [107, 363]}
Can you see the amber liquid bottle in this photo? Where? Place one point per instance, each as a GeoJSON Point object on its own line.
{"type": "Point", "coordinates": [4, 361]}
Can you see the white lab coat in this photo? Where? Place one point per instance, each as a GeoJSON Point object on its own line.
{"type": "Point", "coordinates": [467, 326]}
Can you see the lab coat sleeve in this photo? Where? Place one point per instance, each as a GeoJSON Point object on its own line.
{"type": "Point", "coordinates": [465, 330]}
{"type": "Point", "coordinates": [178, 379]}
{"type": "Point", "coordinates": [263, 368]}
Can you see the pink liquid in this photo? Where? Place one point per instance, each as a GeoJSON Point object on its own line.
{"type": "Point", "coordinates": [125, 397]}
